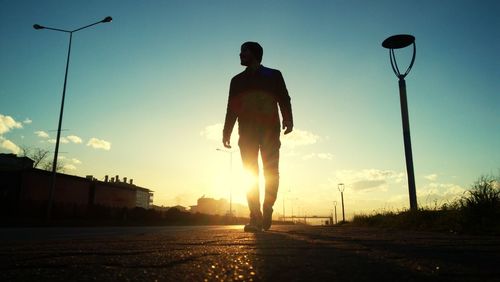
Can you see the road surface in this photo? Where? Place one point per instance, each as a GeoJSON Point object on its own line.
{"type": "Point", "coordinates": [226, 253]}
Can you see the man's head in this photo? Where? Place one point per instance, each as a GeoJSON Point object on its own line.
{"type": "Point", "coordinates": [251, 53]}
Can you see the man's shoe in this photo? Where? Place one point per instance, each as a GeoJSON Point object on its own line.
{"type": "Point", "coordinates": [267, 218]}
{"type": "Point", "coordinates": [255, 224]}
{"type": "Point", "coordinates": [252, 228]}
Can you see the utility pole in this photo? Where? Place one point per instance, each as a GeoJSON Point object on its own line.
{"type": "Point", "coordinates": [341, 187]}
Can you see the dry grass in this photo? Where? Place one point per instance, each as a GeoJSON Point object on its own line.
{"type": "Point", "coordinates": [476, 212]}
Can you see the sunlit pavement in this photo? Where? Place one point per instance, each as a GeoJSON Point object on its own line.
{"type": "Point", "coordinates": [286, 253]}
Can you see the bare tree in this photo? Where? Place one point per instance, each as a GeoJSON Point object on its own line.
{"type": "Point", "coordinates": [25, 151]}
{"type": "Point", "coordinates": [48, 166]}
{"type": "Point", "coordinates": [40, 158]}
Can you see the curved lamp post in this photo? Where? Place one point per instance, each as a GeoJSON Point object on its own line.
{"type": "Point", "coordinates": [397, 42]}
{"type": "Point", "coordinates": [54, 163]}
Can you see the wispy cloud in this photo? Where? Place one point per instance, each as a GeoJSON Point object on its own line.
{"type": "Point", "coordinates": [323, 156]}
{"type": "Point", "coordinates": [75, 139]}
{"type": "Point", "coordinates": [62, 140]}
{"type": "Point", "coordinates": [69, 164]}
{"type": "Point", "coordinates": [9, 145]}
{"type": "Point", "coordinates": [431, 177]}
{"type": "Point", "coordinates": [69, 167]}
{"type": "Point", "coordinates": [42, 134]}
{"type": "Point", "coordinates": [213, 132]}
{"type": "Point", "coordinates": [299, 138]}
{"type": "Point", "coordinates": [439, 193]}
{"type": "Point", "coordinates": [7, 123]}
{"type": "Point", "coordinates": [369, 179]}
{"type": "Point", "coordinates": [99, 144]}
{"type": "Point", "coordinates": [27, 121]}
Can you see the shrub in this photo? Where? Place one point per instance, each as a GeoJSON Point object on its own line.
{"type": "Point", "coordinates": [480, 206]}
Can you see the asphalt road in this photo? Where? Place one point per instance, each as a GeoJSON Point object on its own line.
{"type": "Point", "coordinates": [215, 253]}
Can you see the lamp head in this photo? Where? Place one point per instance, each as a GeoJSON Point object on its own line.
{"type": "Point", "coordinates": [107, 19]}
{"type": "Point", "coordinates": [341, 187]}
{"type": "Point", "coordinates": [37, 26]}
{"type": "Point", "coordinates": [398, 41]}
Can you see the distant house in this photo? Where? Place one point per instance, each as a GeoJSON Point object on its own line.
{"type": "Point", "coordinates": [179, 207]}
{"type": "Point", "coordinates": [13, 162]}
{"type": "Point", "coordinates": [218, 207]}
{"type": "Point", "coordinates": [21, 184]}
{"type": "Point", "coordinates": [143, 198]}
{"type": "Point", "coordinates": [211, 206]}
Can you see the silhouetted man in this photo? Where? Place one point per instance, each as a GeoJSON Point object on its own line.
{"type": "Point", "coordinates": [254, 96]}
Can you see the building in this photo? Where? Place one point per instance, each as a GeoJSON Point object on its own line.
{"type": "Point", "coordinates": [22, 185]}
{"type": "Point", "coordinates": [218, 207]}
{"type": "Point", "coordinates": [211, 206]}
{"type": "Point", "coordinates": [12, 162]}
{"type": "Point", "coordinates": [143, 196]}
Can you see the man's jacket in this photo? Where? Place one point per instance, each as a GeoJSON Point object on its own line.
{"type": "Point", "coordinates": [253, 101]}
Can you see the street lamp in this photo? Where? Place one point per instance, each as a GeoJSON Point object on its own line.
{"type": "Point", "coordinates": [54, 163]}
{"type": "Point", "coordinates": [341, 188]}
{"type": "Point", "coordinates": [398, 42]}
{"type": "Point", "coordinates": [229, 179]}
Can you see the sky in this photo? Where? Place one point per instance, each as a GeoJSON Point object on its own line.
{"type": "Point", "coordinates": [147, 93]}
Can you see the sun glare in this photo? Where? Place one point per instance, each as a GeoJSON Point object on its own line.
{"type": "Point", "coordinates": [246, 180]}
{"type": "Point", "coordinates": [236, 184]}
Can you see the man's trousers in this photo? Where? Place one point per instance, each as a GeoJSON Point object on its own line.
{"type": "Point", "coordinates": [268, 143]}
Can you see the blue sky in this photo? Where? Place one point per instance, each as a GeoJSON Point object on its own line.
{"type": "Point", "coordinates": [151, 88]}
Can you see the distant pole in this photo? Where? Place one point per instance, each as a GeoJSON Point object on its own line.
{"type": "Point", "coordinates": [335, 205]}
{"type": "Point", "coordinates": [229, 179]}
{"type": "Point", "coordinates": [284, 217]}
{"type": "Point", "coordinates": [332, 222]}
{"type": "Point", "coordinates": [54, 163]}
{"type": "Point", "coordinates": [341, 188]}
{"type": "Point", "coordinates": [391, 43]}
{"type": "Point", "coordinates": [296, 202]}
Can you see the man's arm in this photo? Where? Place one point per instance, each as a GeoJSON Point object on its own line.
{"type": "Point", "coordinates": [230, 120]}
{"type": "Point", "coordinates": [285, 104]}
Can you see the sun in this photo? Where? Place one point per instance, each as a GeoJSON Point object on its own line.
{"type": "Point", "coordinates": [236, 184]}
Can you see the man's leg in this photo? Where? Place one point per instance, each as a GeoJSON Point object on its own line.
{"type": "Point", "coordinates": [270, 159]}
{"type": "Point", "coordinates": [249, 150]}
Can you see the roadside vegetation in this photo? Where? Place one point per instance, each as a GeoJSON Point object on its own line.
{"type": "Point", "coordinates": [477, 211]}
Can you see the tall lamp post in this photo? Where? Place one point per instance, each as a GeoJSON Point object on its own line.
{"type": "Point", "coordinates": [341, 188]}
{"type": "Point", "coordinates": [54, 163]}
{"type": "Point", "coordinates": [229, 179]}
{"type": "Point", "coordinates": [397, 42]}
